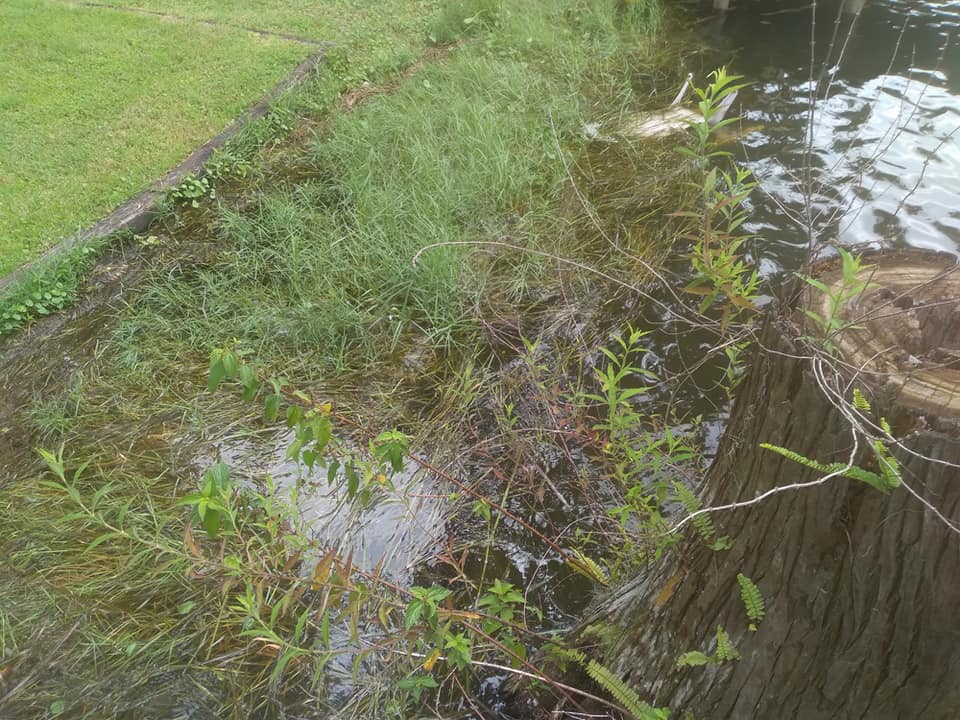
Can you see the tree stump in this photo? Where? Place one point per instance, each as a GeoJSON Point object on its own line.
{"type": "Point", "coordinates": [862, 588]}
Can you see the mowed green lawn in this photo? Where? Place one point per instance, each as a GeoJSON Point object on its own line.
{"type": "Point", "coordinates": [348, 22]}
{"type": "Point", "coordinates": [95, 104]}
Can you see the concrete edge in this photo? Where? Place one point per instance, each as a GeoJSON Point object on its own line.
{"type": "Point", "coordinates": [136, 214]}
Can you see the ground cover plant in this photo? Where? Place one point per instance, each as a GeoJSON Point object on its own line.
{"type": "Point", "coordinates": [476, 163]}
{"type": "Point", "coordinates": [321, 272]}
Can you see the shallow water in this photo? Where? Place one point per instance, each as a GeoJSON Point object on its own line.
{"type": "Point", "coordinates": [884, 150]}
{"type": "Point", "coordinates": [884, 154]}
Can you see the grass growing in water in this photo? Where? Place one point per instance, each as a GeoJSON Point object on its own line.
{"type": "Point", "coordinates": [317, 271]}
{"type": "Point", "coordinates": [463, 150]}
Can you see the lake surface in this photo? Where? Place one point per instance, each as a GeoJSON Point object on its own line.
{"type": "Point", "coordinates": [880, 164]}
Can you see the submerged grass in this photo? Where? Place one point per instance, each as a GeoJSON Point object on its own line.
{"type": "Point", "coordinates": [310, 271]}
{"type": "Point", "coordinates": [103, 598]}
{"type": "Point", "coordinates": [466, 149]}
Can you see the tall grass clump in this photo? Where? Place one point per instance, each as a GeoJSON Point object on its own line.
{"type": "Point", "coordinates": [462, 18]}
{"type": "Point", "coordinates": [467, 148]}
{"type": "Point", "coordinates": [304, 270]}
{"type": "Point", "coordinates": [645, 15]}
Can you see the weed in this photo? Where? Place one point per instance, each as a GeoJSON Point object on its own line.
{"type": "Point", "coordinates": [831, 323]}
{"type": "Point", "coordinates": [462, 18]}
{"type": "Point", "coordinates": [620, 418]}
{"type": "Point", "coordinates": [717, 236]}
{"type": "Point", "coordinates": [645, 14]}
{"type": "Point", "coordinates": [725, 652]}
{"type": "Point", "coordinates": [325, 269]}
{"type": "Point", "coordinates": [49, 288]}
{"type": "Point", "coordinates": [192, 190]}
{"type": "Point", "coordinates": [752, 600]}
{"type": "Point", "coordinates": [53, 417]}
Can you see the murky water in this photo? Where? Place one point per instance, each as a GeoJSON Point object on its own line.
{"type": "Point", "coordinates": [884, 149]}
{"type": "Point", "coordinates": [879, 168]}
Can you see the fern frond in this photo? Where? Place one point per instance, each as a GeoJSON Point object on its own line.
{"type": "Point", "coordinates": [889, 467]}
{"type": "Point", "coordinates": [588, 567]}
{"type": "Point", "coordinates": [560, 653]}
{"type": "Point", "coordinates": [695, 658]}
{"type": "Point", "coordinates": [725, 649]}
{"type": "Point", "coordinates": [885, 481]}
{"type": "Point", "coordinates": [860, 401]}
{"type": "Point", "coordinates": [752, 599]}
{"type": "Point", "coordinates": [691, 503]}
{"type": "Point", "coordinates": [623, 693]}
{"type": "Point", "coordinates": [799, 459]}
{"type": "Point", "coordinates": [859, 473]}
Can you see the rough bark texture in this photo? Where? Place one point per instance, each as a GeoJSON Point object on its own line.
{"type": "Point", "coordinates": [862, 589]}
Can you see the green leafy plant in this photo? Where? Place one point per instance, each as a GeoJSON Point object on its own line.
{"type": "Point", "coordinates": [608, 680]}
{"type": "Point", "coordinates": [423, 606]}
{"type": "Point", "coordinates": [641, 453]}
{"type": "Point", "coordinates": [502, 600]}
{"type": "Point", "coordinates": [703, 524]}
{"type": "Point", "coordinates": [725, 652]}
{"type": "Point", "coordinates": [735, 369]}
{"type": "Point", "coordinates": [717, 257]}
{"type": "Point", "coordinates": [619, 416]}
{"type": "Point", "coordinates": [752, 600]}
{"type": "Point", "coordinates": [192, 190]}
{"type": "Point", "coordinates": [49, 289]}
{"type": "Point", "coordinates": [459, 649]}
{"type": "Point", "coordinates": [886, 480]}
{"type": "Point", "coordinates": [860, 401]}
{"type": "Point", "coordinates": [587, 566]}
{"type": "Point", "coordinates": [213, 505]}
{"type": "Point", "coordinates": [831, 323]}
{"type": "Point", "coordinates": [623, 693]}
{"type": "Point", "coordinates": [414, 685]}
{"type": "Point", "coordinates": [711, 102]}
{"type": "Point", "coordinates": [40, 302]}
{"type": "Point", "coordinates": [716, 225]}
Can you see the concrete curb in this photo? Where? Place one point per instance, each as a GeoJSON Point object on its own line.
{"type": "Point", "coordinates": [136, 214]}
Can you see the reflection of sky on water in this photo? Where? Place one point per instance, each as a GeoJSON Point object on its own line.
{"type": "Point", "coordinates": [886, 143]}
{"type": "Point", "coordinates": [895, 145]}
{"type": "Point", "coordinates": [395, 526]}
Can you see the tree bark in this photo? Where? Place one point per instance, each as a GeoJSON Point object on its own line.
{"type": "Point", "coordinates": [862, 588]}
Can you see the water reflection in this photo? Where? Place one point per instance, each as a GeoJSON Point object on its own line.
{"type": "Point", "coordinates": [885, 144]}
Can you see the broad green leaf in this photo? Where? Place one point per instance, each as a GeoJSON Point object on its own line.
{"type": "Point", "coordinates": [694, 658]}
{"type": "Point", "coordinates": [230, 364]}
{"type": "Point", "coordinates": [412, 616]}
{"type": "Point", "coordinates": [294, 415]}
{"type": "Point", "coordinates": [215, 376]}
{"type": "Point", "coordinates": [271, 407]}
{"type": "Point", "coordinates": [219, 475]}
{"type": "Point", "coordinates": [211, 524]}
